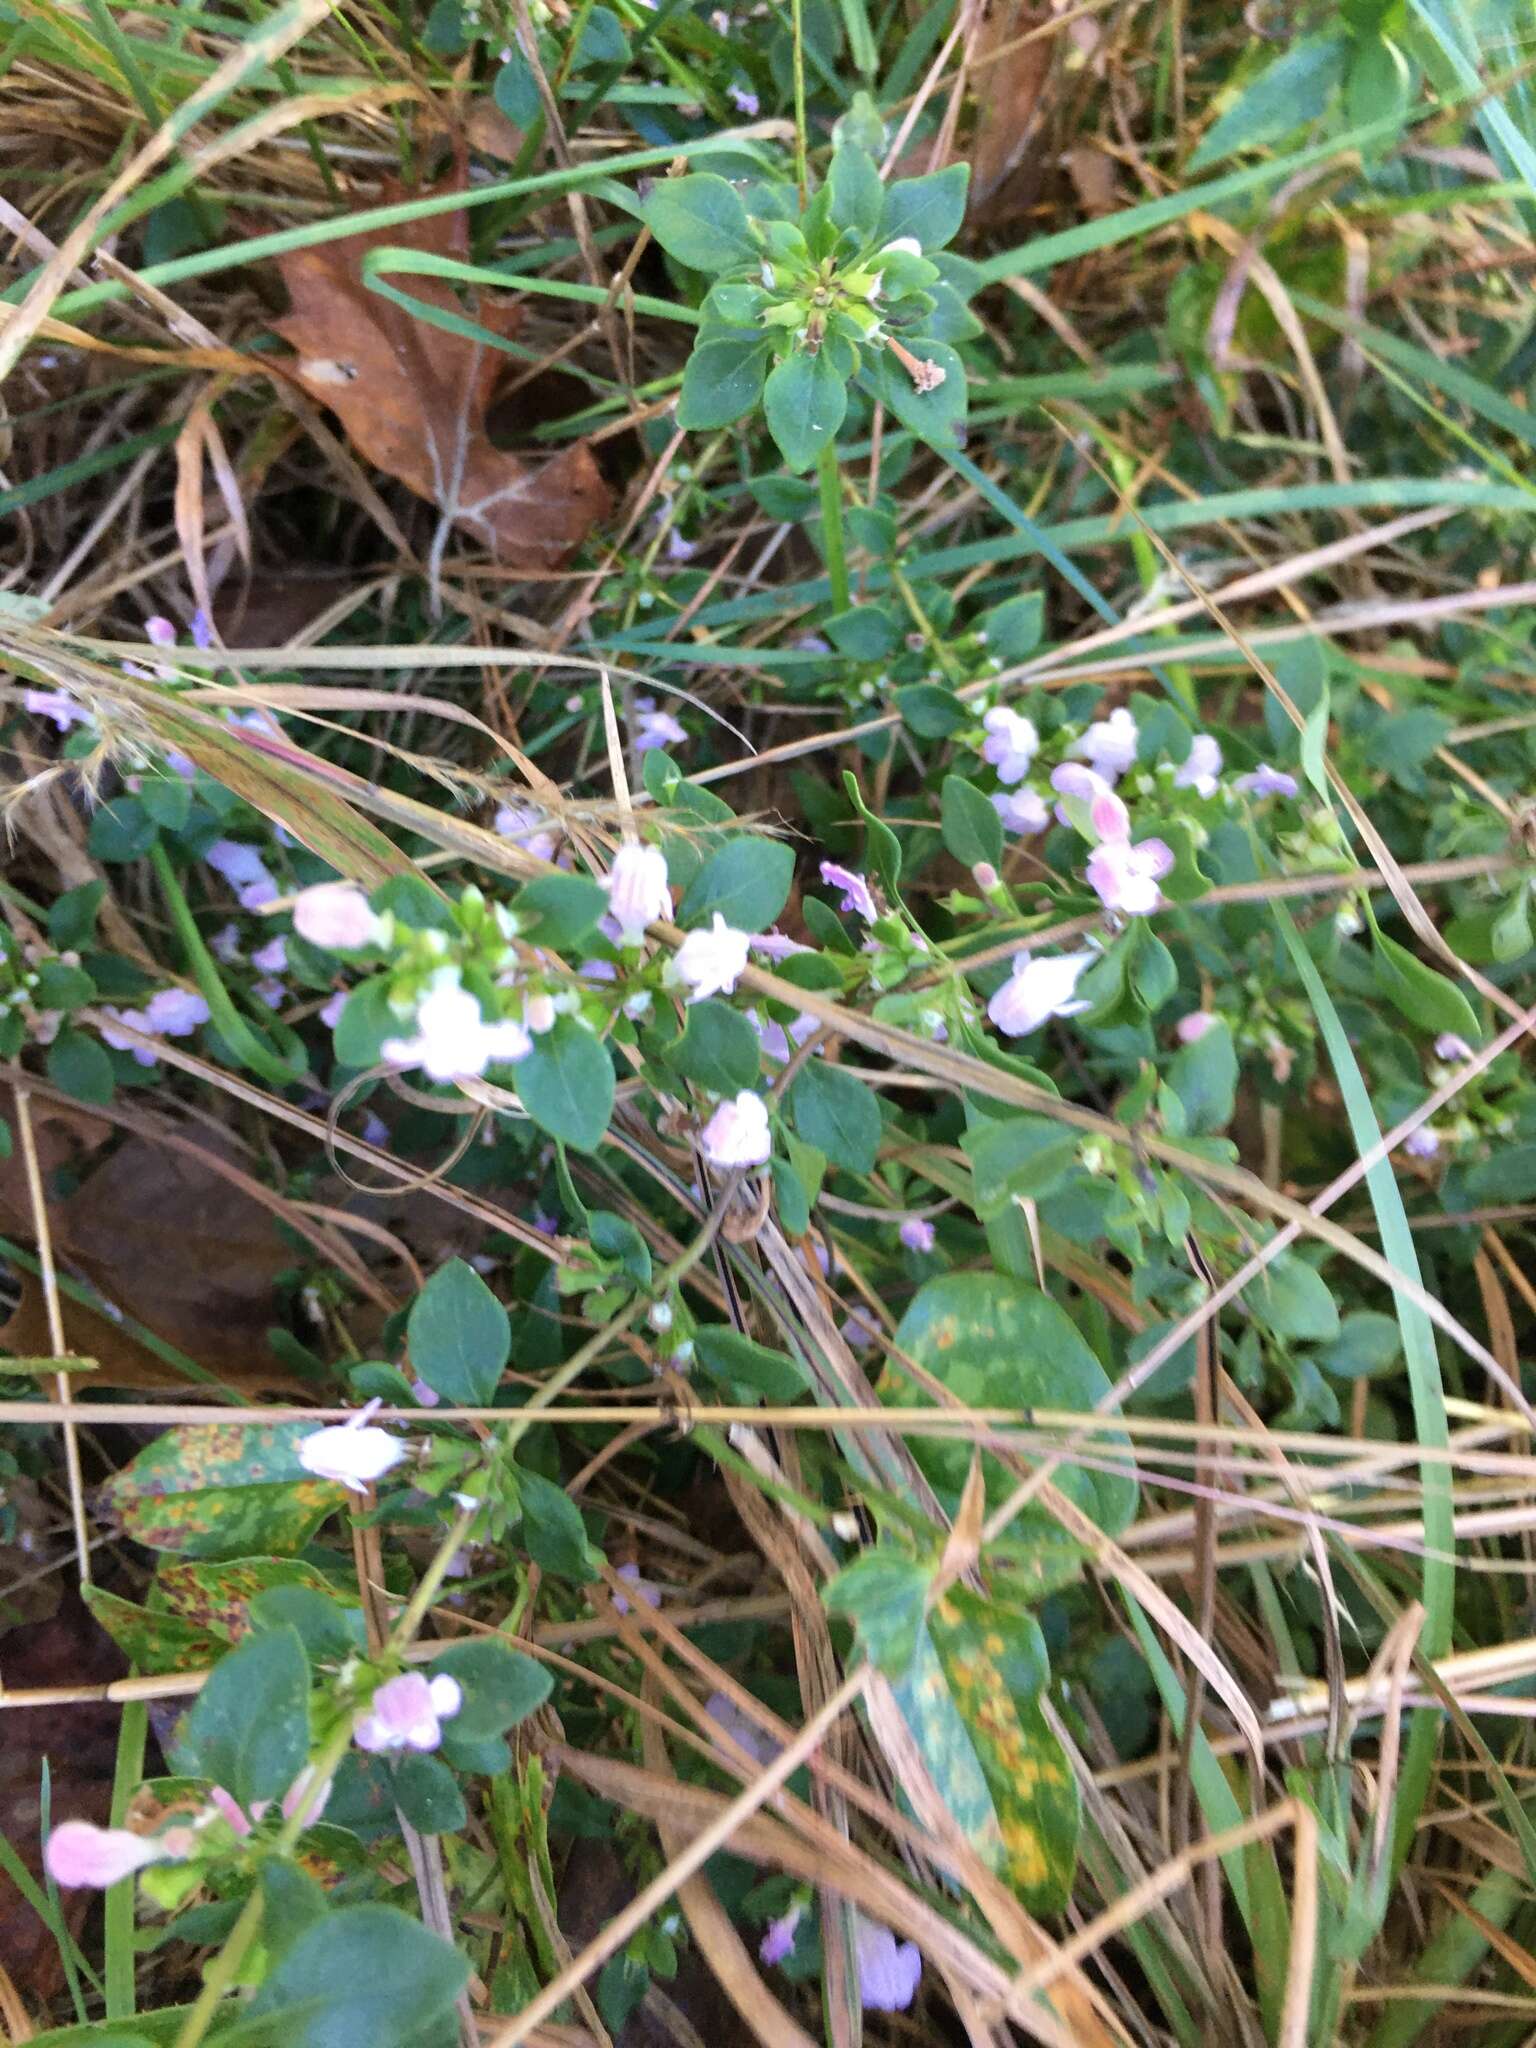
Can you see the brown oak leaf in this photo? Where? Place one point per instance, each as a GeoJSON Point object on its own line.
{"type": "Point", "coordinates": [413, 398]}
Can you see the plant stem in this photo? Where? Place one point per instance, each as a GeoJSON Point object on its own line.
{"type": "Point", "coordinates": [802, 174]}
{"type": "Point", "coordinates": [830, 477]}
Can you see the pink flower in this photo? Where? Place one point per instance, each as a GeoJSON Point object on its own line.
{"type": "Point", "coordinates": [352, 1453]}
{"type": "Point", "coordinates": [1110, 745]}
{"type": "Point", "coordinates": [780, 1937]}
{"type": "Point", "coordinates": [1021, 810]}
{"type": "Point", "coordinates": [1192, 1028]}
{"type": "Point", "coordinates": [453, 1038]}
{"type": "Point", "coordinates": [655, 728]}
{"type": "Point", "coordinates": [159, 632]}
{"type": "Point", "coordinates": [856, 896]}
{"type": "Point", "coordinates": [79, 1853]}
{"type": "Point", "coordinates": [637, 890]}
{"type": "Point", "coordinates": [1448, 1046]}
{"type": "Point", "coordinates": [228, 1807]}
{"type": "Point", "coordinates": [1200, 767]}
{"type": "Point", "coordinates": [407, 1713]}
{"type": "Point", "coordinates": [1267, 781]}
{"type": "Point", "coordinates": [889, 1971]}
{"type": "Point", "coordinates": [737, 1133]}
{"type": "Point", "coordinates": [1125, 877]}
{"type": "Point", "coordinates": [336, 917]}
{"type": "Point", "coordinates": [711, 962]}
{"type": "Point", "coordinates": [1011, 743]}
{"type": "Point", "coordinates": [917, 1234]}
{"type": "Point", "coordinates": [1108, 816]}
{"type": "Point", "coordinates": [1039, 988]}
{"type": "Point", "coordinates": [1072, 779]}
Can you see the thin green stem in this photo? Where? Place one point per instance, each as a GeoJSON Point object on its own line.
{"type": "Point", "coordinates": [802, 172]}
{"type": "Point", "coordinates": [830, 477]}
{"type": "Point", "coordinates": [132, 1732]}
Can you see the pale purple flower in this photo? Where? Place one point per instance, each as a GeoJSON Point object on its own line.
{"type": "Point", "coordinates": [780, 1936]}
{"type": "Point", "coordinates": [1125, 877]}
{"type": "Point", "coordinates": [811, 643]}
{"type": "Point", "coordinates": [271, 958]}
{"type": "Point", "coordinates": [598, 970]}
{"type": "Point", "coordinates": [856, 896]}
{"type": "Point", "coordinates": [64, 712]}
{"type": "Point", "coordinates": [144, 1054]}
{"type": "Point", "coordinates": [680, 549]}
{"type": "Point", "coordinates": [1021, 810]}
{"type": "Point", "coordinates": [655, 728]}
{"type": "Point", "coordinates": [1200, 767]}
{"type": "Point", "coordinates": [79, 1853]}
{"type": "Point", "coordinates": [299, 1794]}
{"type": "Point", "coordinates": [637, 890]}
{"type": "Point", "coordinates": [1108, 817]}
{"type": "Point", "coordinates": [1108, 746]}
{"type": "Point", "coordinates": [744, 101]}
{"type": "Point", "coordinates": [1073, 779]}
{"type": "Point", "coordinates": [202, 629]}
{"type": "Point", "coordinates": [777, 946]}
{"type": "Point", "coordinates": [331, 1009]}
{"type": "Point", "coordinates": [245, 871]}
{"type": "Point", "coordinates": [407, 1712]}
{"type": "Point", "coordinates": [1011, 743]}
{"type": "Point", "coordinates": [526, 828]}
{"type": "Point", "coordinates": [1038, 989]}
{"type": "Point", "coordinates": [1267, 781]}
{"type": "Point", "coordinates": [776, 1042]}
{"type": "Point", "coordinates": [336, 917]}
{"type": "Point", "coordinates": [1448, 1046]}
{"type": "Point", "coordinates": [1423, 1143]}
{"type": "Point", "coordinates": [889, 1970]}
{"type": "Point", "coordinates": [424, 1395]}
{"type": "Point", "coordinates": [375, 1130]}
{"type": "Point", "coordinates": [225, 944]}
{"type": "Point", "coordinates": [353, 1453]}
{"type": "Point", "coordinates": [160, 632]}
{"type": "Point", "coordinates": [271, 991]}
{"type": "Point", "coordinates": [643, 1589]}
{"type": "Point", "coordinates": [1192, 1027]}
{"type": "Point", "coordinates": [737, 1133]}
{"type": "Point", "coordinates": [177, 1012]}
{"type": "Point", "coordinates": [453, 1038]}
{"type": "Point", "coordinates": [742, 1729]}
{"type": "Point", "coordinates": [917, 1234]}
{"type": "Point", "coordinates": [712, 962]}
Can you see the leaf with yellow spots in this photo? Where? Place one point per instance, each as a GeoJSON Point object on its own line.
{"type": "Point", "coordinates": [157, 1643]}
{"type": "Point", "coordinates": [215, 1595]}
{"type": "Point", "coordinates": [996, 1342]}
{"type": "Point", "coordinates": [222, 1490]}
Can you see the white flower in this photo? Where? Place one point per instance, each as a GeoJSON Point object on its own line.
{"type": "Point", "coordinates": [1125, 877]}
{"type": "Point", "coordinates": [335, 916]}
{"type": "Point", "coordinates": [352, 1453]}
{"type": "Point", "coordinates": [1021, 810]}
{"type": "Point", "coordinates": [452, 1037]}
{"type": "Point", "coordinates": [711, 962]}
{"type": "Point", "coordinates": [737, 1133]}
{"type": "Point", "coordinates": [1110, 745]}
{"type": "Point", "coordinates": [1039, 988]}
{"type": "Point", "coordinates": [637, 889]}
{"type": "Point", "coordinates": [407, 1712]}
{"type": "Point", "coordinates": [1011, 743]}
{"type": "Point", "coordinates": [1201, 766]}
{"type": "Point", "coordinates": [904, 245]}
{"type": "Point", "coordinates": [79, 1853]}
{"type": "Point", "coordinates": [1192, 1027]}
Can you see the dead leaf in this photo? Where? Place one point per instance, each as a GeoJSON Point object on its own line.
{"type": "Point", "coordinates": [1092, 172]}
{"type": "Point", "coordinates": [1004, 152]}
{"type": "Point", "coordinates": [414, 399]}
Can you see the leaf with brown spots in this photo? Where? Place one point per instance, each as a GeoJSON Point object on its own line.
{"type": "Point", "coordinates": [155, 1644]}
{"type": "Point", "coordinates": [222, 1490]}
{"type": "Point", "coordinates": [219, 1595]}
{"type": "Point", "coordinates": [414, 398]}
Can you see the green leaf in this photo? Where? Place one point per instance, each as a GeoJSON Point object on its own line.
{"type": "Point", "coordinates": [559, 911]}
{"type": "Point", "coordinates": [723, 380]}
{"type": "Point", "coordinates": [729, 1356]}
{"type": "Point", "coordinates": [121, 831]}
{"type": "Point", "coordinates": [1204, 1077]}
{"type": "Point", "coordinates": [365, 1022]}
{"type": "Point", "coordinates": [930, 711]}
{"type": "Point", "coordinates": [72, 916]}
{"type": "Point", "coordinates": [838, 1114]}
{"type": "Point", "coordinates": [566, 1085]}
{"type": "Point", "coordinates": [1368, 1345]}
{"type": "Point", "coordinates": [61, 987]}
{"type": "Point", "coordinates": [363, 1977]}
{"type": "Point", "coordinates": [883, 1593]}
{"type": "Point", "coordinates": [1425, 998]}
{"type": "Point", "coordinates": [855, 192]}
{"type": "Point", "coordinates": [554, 1534]}
{"type": "Point", "coordinates": [428, 1795]}
{"type": "Point", "coordinates": [81, 1067]}
{"type": "Point", "coordinates": [747, 880]}
{"type": "Point", "coordinates": [804, 401]}
{"type": "Point", "coordinates": [1013, 629]}
{"type": "Point", "coordinates": [867, 633]}
{"type": "Point", "coordinates": [929, 209]}
{"type": "Point", "coordinates": [516, 91]}
{"type": "Point", "coordinates": [1293, 1300]}
{"type": "Point", "coordinates": [248, 1729]}
{"type": "Point", "coordinates": [291, 1903]}
{"type": "Point", "coordinates": [971, 827]}
{"type": "Point", "coordinates": [222, 1490]}
{"type": "Point", "coordinates": [460, 1336]}
{"type": "Point", "coordinates": [1508, 1176]}
{"type": "Point", "coordinates": [934, 414]}
{"type": "Point", "coordinates": [718, 1050]}
{"type": "Point", "coordinates": [167, 800]}
{"type": "Point", "coordinates": [155, 1643]}
{"type": "Point", "coordinates": [328, 1630]}
{"type": "Point", "coordinates": [1294, 89]}
{"type": "Point", "coordinates": [1028, 1156]}
{"type": "Point", "coordinates": [701, 221]}
{"type": "Point", "coordinates": [501, 1687]}
{"type": "Point", "coordinates": [603, 41]}
{"type": "Point", "coordinates": [995, 1342]}
{"type": "Point", "coordinates": [994, 1662]}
